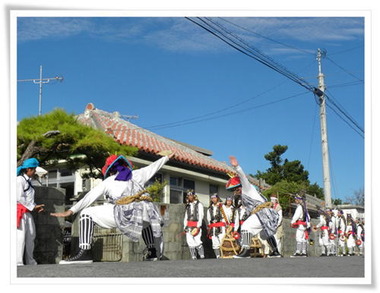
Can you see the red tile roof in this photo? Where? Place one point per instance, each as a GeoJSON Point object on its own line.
{"type": "Point", "coordinates": [127, 133]}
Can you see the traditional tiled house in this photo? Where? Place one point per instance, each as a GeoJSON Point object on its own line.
{"type": "Point", "coordinates": [191, 167]}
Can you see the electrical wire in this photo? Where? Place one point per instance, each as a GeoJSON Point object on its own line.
{"type": "Point", "coordinates": [237, 43]}
{"type": "Point", "coordinates": [191, 121]}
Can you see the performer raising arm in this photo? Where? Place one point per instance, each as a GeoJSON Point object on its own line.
{"type": "Point", "coordinates": [127, 207]}
{"type": "Point", "coordinates": [263, 219]}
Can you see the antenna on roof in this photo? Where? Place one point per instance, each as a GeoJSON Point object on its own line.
{"type": "Point", "coordinates": [129, 117]}
{"type": "Point", "coordinates": [41, 81]}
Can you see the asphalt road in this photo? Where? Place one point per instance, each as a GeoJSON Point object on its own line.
{"type": "Point", "coordinates": [310, 267]}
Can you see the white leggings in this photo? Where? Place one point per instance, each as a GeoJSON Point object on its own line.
{"type": "Point", "coordinates": [26, 234]}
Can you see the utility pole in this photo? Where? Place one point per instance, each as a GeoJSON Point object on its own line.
{"type": "Point", "coordinates": [322, 114]}
{"type": "Point", "coordinates": [41, 81]}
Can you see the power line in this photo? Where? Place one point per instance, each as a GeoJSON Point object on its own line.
{"type": "Point", "coordinates": [227, 108]}
{"type": "Point", "coordinates": [345, 70]}
{"type": "Point", "coordinates": [267, 38]}
{"type": "Point", "coordinates": [240, 45]}
{"type": "Point", "coordinates": [191, 121]}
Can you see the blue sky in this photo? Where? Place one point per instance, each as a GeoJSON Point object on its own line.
{"type": "Point", "coordinates": [185, 84]}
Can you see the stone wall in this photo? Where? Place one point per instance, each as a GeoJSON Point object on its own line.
{"type": "Point", "coordinates": [111, 245]}
{"type": "Point", "coordinates": [49, 230]}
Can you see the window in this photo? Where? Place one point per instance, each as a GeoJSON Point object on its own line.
{"type": "Point", "coordinates": [66, 172]}
{"type": "Point", "coordinates": [176, 196]}
{"type": "Point", "coordinates": [178, 188]}
{"type": "Point", "coordinates": [213, 189]}
{"type": "Point", "coordinates": [188, 184]}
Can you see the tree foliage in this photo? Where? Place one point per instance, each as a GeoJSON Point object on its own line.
{"type": "Point", "coordinates": [285, 191]}
{"type": "Point", "coordinates": [79, 145]}
{"type": "Point", "coordinates": [287, 176]}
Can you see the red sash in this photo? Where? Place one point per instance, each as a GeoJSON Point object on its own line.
{"type": "Point", "coordinates": [192, 224]}
{"type": "Point", "coordinates": [21, 210]}
{"type": "Point", "coordinates": [298, 223]}
{"type": "Point", "coordinates": [217, 224]}
{"type": "Point", "coordinates": [324, 228]}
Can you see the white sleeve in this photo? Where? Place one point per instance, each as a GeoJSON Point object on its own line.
{"type": "Point", "coordinates": [279, 217]}
{"type": "Point", "coordinates": [90, 197]}
{"type": "Point", "coordinates": [247, 188]}
{"type": "Point", "coordinates": [143, 175]}
{"type": "Point", "coordinates": [296, 215]}
{"type": "Point", "coordinates": [208, 216]}
{"type": "Point", "coordinates": [26, 198]}
{"type": "Point", "coordinates": [201, 215]}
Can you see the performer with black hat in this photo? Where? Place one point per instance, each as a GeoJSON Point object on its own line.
{"type": "Point", "coordinates": [128, 207]}
{"type": "Point", "coordinates": [262, 218]}
{"type": "Point", "coordinates": [216, 223]}
{"type": "Point", "coordinates": [192, 223]}
{"type": "Point", "coordinates": [301, 221]}
{"type": "Point", "coordinates": [26, 229]}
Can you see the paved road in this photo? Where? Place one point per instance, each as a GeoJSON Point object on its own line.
{"type": "Point", "coordinates": [311, 267]}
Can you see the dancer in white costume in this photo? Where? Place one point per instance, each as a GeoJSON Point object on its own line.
{"type": "Point", "coordinates": [301, 222]}
{"type": "Point", "coordinates": [26, 229]}
{"type": "Point", "coordinates": [216, 224]}
{"type": "Point", "coordinates": [263, 219]}
{"type": "Point", "coordinates": [137, 217]}
{"type": "Point", "coordinates": [324, 240]}
{"type": "Point", "coordinates": [192, 223]}
{"type": "Point", "coordinates": [279, 231]}
{"type": "Point", "coordinates": [341, 230]}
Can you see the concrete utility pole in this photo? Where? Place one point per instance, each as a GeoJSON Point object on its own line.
{"type": "Point", "coordinates": [322, 114]}
{"type": "Point", "coordinates": [41, 81]}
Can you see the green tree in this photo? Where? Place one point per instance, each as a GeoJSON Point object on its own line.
{"type": "Point", "coordinates": [58, 135]}
{"type": "Point", "coordinates": [337, 202]}
{"type": "Point", "coordinates": [285, 191]}
{"type": "Point", "coordinates": [316, 190]}
{"type": "Point", "coordinates": [281, 171]}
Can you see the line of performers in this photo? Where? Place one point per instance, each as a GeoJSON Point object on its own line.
{"type": "Point", "coordinates": [247, 214]}
{"type": "Point", "coordinates": [128, 207]}
{"type": "Point", "coordinates": [339, 235]}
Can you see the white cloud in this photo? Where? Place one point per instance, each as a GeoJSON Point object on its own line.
{"type": "Point", "coordinates": [31, 28]}
{"type": "Point", "coordinates": [179, 34]}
